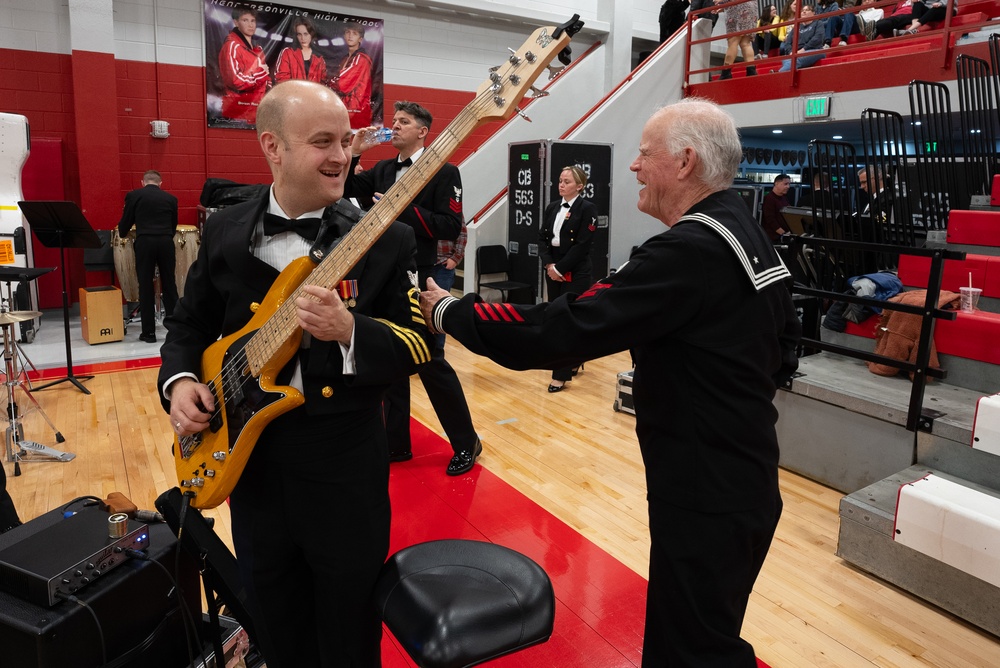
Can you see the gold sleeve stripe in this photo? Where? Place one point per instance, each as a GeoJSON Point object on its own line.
{"type": "Point", "coordinates": [418, 347]}
{"type": "Point", "coordinates": [414, 297]}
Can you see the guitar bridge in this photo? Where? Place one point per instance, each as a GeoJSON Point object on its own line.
{"type": "Point", "coordinates": [189, 444]}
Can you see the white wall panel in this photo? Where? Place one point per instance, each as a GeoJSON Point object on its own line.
{"type": "Point", "coordinates": [35, 26]}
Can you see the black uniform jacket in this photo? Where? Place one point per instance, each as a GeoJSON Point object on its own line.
{"type": "Point", "coordinates": [152, 211]}
{"type": "Point", "coordinates": [390, 336]}
{"type": "Point", "coordinates": [435, 213]}
{"type": "Point", "coordinates": [573, 252]}
{"type": "Point", "coordinates": [712, 332]}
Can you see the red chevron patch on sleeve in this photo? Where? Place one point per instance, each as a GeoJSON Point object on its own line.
{"type": "Point", "coordinates": [455, 205]}
{"type": "Point", "coordinates": [594, 289]}
{"type": "Point", "coordinates": [498, 312]}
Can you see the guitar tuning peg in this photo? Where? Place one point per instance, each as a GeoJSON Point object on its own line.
{"type": "Point", "coordinates": [538, 93]}
{"type": "Point", "coordinates": [494, 69]}
{"type": "Point", "coordinates": [554, 70]}
{"type": "Point", "coordinates": [521, 114]}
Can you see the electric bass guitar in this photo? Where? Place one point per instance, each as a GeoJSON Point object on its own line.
{"type": "Point", "coordinates": [241, 369]}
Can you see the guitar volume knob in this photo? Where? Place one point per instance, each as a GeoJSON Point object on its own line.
{"type": "Point", "coordinates": [219, 456]}
{"type": "Point", "coordinates": [209, 473]}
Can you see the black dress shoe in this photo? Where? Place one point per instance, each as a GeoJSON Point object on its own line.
{"type": "Point", "coordinates": [557, 388]}
{"type": "Point", "coordinates": [464, 460]}
{"type": "Point", "coordinates": [404, 456]}
{"type": "Point", "coordinates": [147, 338]}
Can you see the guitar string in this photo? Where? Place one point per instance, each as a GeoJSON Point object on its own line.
{"type": "Point", "coordinates": [236, 370]}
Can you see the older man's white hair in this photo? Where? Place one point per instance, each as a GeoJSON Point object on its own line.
{"type": "Point", "coordinates": [711, 133]}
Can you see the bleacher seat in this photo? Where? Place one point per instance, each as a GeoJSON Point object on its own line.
{"type": "Point", "coordinates": [982, 270]}
{"type": "Point", "coordinates": [970, 336]}
{"type": "Point", "coordinates": [974, 228]}
{"type": "Point", "coordinates": [963, 19]}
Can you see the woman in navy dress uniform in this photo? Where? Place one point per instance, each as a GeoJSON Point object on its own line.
{"type": "Point", "coordinates": [568, 226]}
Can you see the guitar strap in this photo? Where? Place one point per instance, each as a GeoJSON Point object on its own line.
{"type": "Point", "coordinates": [338, 219]}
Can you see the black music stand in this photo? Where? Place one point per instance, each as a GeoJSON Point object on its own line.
{"type": "Point", "coordinates": [61, 225]}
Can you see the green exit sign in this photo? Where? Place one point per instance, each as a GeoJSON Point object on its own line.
{"type": "Point", "coordinates": [817, 106]}
{"type": "Point", "coordinates": [525, 156]}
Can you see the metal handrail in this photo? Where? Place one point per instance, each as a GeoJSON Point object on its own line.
{"type": "Point", "coordinates": [929, 313]}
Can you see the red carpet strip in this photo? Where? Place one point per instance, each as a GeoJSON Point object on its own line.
{"type": "Point", "coordinates": [600, 603]}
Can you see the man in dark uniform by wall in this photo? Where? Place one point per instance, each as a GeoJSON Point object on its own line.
{"type": "Point", "coordinates": [705, 309]}
{"type": "Point", "coordinates": [434, 214]}
{"type": "Point", "coordinates": [310, 513]}
{"type": "Point", "coordinates": [153, 213]}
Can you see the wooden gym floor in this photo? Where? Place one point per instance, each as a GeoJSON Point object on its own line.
{"type": "Point", "coordinates": [560, 480]}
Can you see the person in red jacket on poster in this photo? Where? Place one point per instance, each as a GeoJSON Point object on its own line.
{"type": "Point", "coordinates": [303, 62]}
{"type": "Point", "coordinates": [242, 68]}
{"type": "Point", "coordinates": [354, 82]}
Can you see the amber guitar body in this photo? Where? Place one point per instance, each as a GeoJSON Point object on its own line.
{"type": "Point", "coordinates": [211, 462]}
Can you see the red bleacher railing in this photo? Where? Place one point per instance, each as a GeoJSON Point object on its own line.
{"type": "Point", "coordinates": [944, 37]}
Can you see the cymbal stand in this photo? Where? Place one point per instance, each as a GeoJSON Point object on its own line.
{"type": "Point", "coordinates": [23, 362]}
{"type": "Point", "coordinates": [17, 448]}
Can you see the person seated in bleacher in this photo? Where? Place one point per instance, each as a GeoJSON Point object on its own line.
{"type": "Point", "coordinates": [861, 23]}
{"type": "Point", "coordinates": [926, 11]}
{"type": "Point", "coordinates": [902, 15]}
{"type": "Point", "coordinates": [810, 39]}
{"type": "Point", "coordinates": [787, 14]}
{"type": "Point", "coordinates": [768, 36]}
{"type": "Point", "coordinates": [822, 7]}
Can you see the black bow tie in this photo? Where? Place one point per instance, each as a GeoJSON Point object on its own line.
{"type": "Point", "coordinates": [565, 205]}
{"type": "Point", "coordinates": [307, 228]}
{"type": "Point", "coordinates": [403, 163]}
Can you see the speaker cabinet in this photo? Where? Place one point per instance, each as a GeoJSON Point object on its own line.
{"type": "Point", "coordinates": [101, 314]}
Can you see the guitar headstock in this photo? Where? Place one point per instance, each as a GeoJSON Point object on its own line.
{"type": "Point", "coordinates": [500, 94]}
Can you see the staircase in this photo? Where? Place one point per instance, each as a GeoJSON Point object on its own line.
{"type": "Point", "coordinates": [922, 509]}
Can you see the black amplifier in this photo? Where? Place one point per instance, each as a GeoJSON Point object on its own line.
{"type": "Point", "coordinates": [65, 556]}
{"type": "Point", "coordinates": [135, 617]}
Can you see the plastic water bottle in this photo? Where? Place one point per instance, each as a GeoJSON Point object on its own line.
{"type": "Point", "coordinates": [379, 136]}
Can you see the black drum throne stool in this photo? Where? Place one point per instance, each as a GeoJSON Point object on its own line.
{"type": "Point", "coordinates": [458, 603]}
{"type": "Point", "coordinates": [449, 603]}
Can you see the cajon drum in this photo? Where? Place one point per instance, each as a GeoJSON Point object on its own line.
{"type": "Point", "coordinates": [101, 314]}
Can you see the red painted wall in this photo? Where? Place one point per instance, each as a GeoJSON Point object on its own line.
{"type": "Point", "coordinates": [41, 87]}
